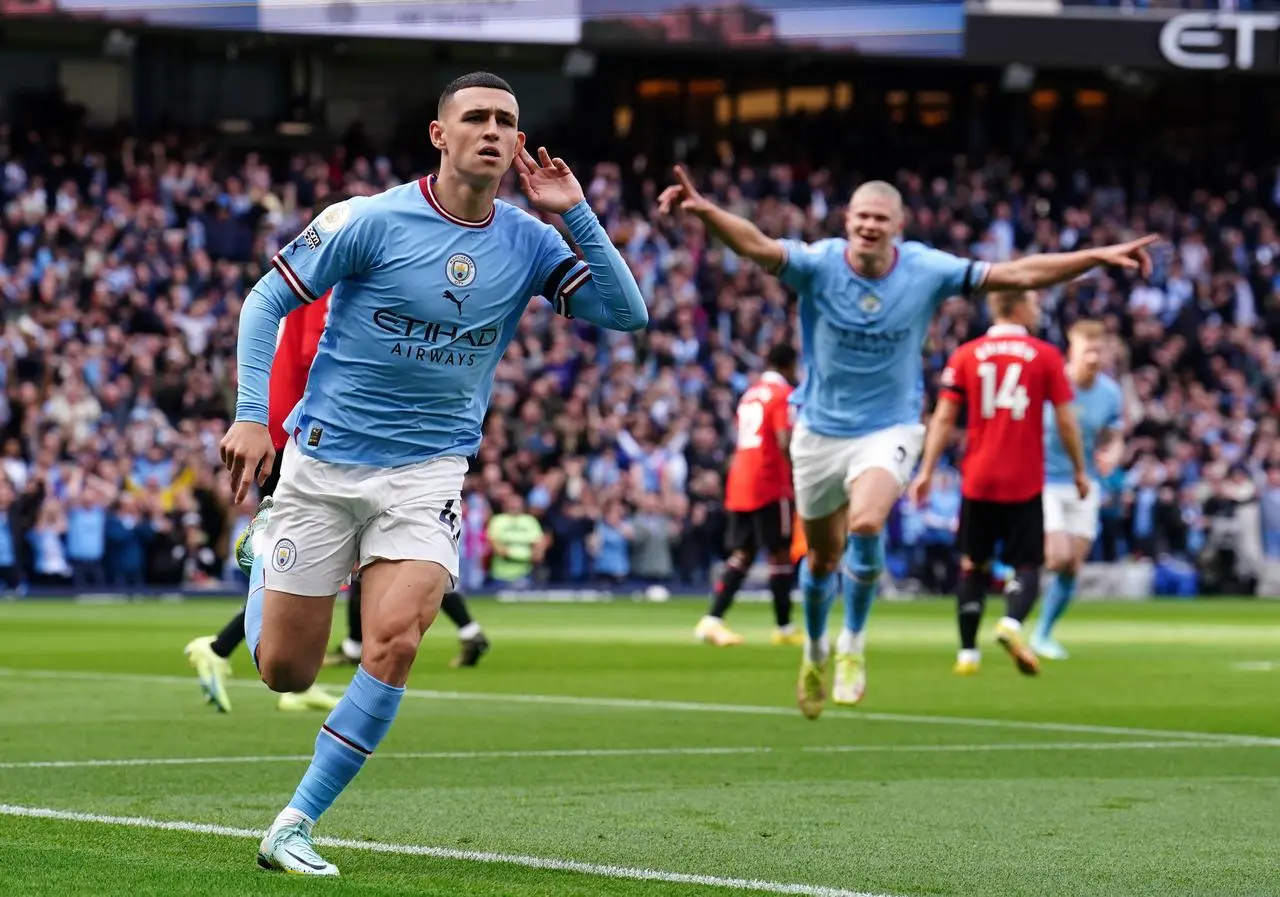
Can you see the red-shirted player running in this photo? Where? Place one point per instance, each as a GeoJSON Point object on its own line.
{"type": "Point", "coordinates": [1002, 379]}
{"type": "Point", "coordinates": [758, 497]}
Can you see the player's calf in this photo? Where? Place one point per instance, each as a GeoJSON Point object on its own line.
{"type": "Point", "coordinates": [971, 597]}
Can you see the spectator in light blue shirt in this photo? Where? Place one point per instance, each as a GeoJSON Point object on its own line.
{"type": "Point", "coordinates": [87, 538]}
{"type": "Point", "coordinates": [610, 545]}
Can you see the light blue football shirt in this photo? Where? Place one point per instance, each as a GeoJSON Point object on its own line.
{"type": "Point", "coordinates": [1098, 408]}
{"type": "Point", "coordinates": [423, 305]}
{"type": "Point", "coordinates": [862, 338]}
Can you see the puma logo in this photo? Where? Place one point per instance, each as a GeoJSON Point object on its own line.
{"type": "Point", "coordinates": [448, 294]}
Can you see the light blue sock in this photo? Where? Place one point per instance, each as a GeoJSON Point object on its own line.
{"type": "Point", "coordinates": [253, 608]}
{"type": "Point", "coordinates": [819, 594]}
{"type": "Point", "coordinates": [348, 737]}
{"type": "Point", "coordinates": [863, 561]}
{"type": "Point", "coordinates": [1062, 588]}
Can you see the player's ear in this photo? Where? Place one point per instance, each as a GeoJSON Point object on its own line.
{"type": "Point", "coordinates": [436, 131]}
{"type": "Point", "coordinates": [520, 139]}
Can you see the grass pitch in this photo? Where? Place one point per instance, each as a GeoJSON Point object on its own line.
{"type": "Point", "coordinates": [598, 751]}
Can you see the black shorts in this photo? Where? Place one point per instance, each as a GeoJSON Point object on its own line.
{"type": "Point", "coordinates": [269, 487]}
{"type": "Point", "coordinates": [768, 528]}
{"type": "Point", "coordinates": [1019, 526]}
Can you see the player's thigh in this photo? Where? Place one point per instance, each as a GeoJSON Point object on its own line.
{"type": "Point", "coordinates": [1056, 504]}
{"type": "Point", "coordinates": [819, 465]}
{"type": "Point", "coordinates": [978, 532]}
{"type": "Point", "coordinates": [1081, 547]}
{"type": "Point", "coordinates": [295, 634]}
{"type": "Point", "coordinates": [1022, 534]}
{"type": "Point", "coordinates": [408, 559]}
{"type": "Point", "coordinates": [826, 538]}
{"type": "Point", "coordinates": [1082, 523]}
{"type": "Point", "coordinates": [399, 602]}
{"type": "Point", "coordinates": [878, 469]}
{"type": "Point", "coordinates": [740, 534]}
{"type": "Point", "coordinates": [773, 528]}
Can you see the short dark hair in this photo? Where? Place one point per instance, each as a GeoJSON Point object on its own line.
{"type": "Point", "coordinates": [782, 356]}
{"type": "Point", "coordinates": [472, 79]}
{"type": "Point", "coordinates": [1005, 303]}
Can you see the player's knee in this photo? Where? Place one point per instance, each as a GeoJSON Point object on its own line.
{"type": "Point", "coordinates": [283, 674]}
{"type": "Point", "coordinates": [1061, 562]}
{"type": "Point", "coordinates": [392, 654]}
{"type": "Point", "coordinates": [821, 564]}
{"type": "Point", "coordinates": [865, 523]}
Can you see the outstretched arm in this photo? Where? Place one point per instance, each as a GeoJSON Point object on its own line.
{"type": "Point", "coordinates": [1049, 268]}
{"type": "Point", "coordinates": [738, 234]}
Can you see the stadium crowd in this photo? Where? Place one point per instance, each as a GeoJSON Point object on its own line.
{"type": "Point", "coordinates": [123, 271]}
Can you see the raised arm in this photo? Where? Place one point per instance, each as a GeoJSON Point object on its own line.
{"type": "Point", "coordinates": [737, 233]}
{"type": "Point", "coordinates": [604, 292]}
{"type": "Point", "coordinates": [609, 296]}
{"type": "Point", "coordinates": [1048, 268]}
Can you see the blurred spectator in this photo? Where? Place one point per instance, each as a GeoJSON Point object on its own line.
{"type": "Point", "coordinates": [611, 545]}
{"type": "Point", "coordinates": [128, 535]}
{"type": "Point", "coordinates": [517, 541]}
{"type": "Point", "coordinates": [50, 557]}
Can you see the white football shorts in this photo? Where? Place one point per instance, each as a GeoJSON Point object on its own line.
{"type": "Point", "coordinates": [1066, 512]}
{"type": "Point", "coordinates": [327, 517]}
{"type": "Point", "coordinates": [824, 467]}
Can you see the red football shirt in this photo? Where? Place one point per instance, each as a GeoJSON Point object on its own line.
{"type": "Point", "coordinates": [296, 347]}
{"type": "Point", "coordinates": [760, 473]}
{"type": "Point", "coordinates": [1003, 379]}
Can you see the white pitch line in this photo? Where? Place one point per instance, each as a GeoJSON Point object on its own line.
{"type": "Point", "coordinates": [398, 755]}
{"type": "Point", "coordinates": [578, 753]}
{"type": "Point", "coordinates": [698, 707]}
{"type": "Point", "coordinates": [445, 853]}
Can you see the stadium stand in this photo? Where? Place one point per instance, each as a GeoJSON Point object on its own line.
{"type": "Point", "coordinates": [123, 262]}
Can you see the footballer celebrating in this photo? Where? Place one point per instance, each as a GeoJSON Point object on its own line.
{"type": "Point", "coordinates": [865, 303]}
{"type": "Point", "coordinates": [430, 282]}
{"type": "Point", "coordinates": [1003, 380]}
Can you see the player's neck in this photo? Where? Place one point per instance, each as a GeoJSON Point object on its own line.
{"type": "Point", "coordinates": [872, 267]}
{"type": "Point", "coordinates": [462, 199]}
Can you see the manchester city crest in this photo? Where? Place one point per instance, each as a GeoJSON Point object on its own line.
{"type": "Point", "coordinates": [460, 269]}
{"type": "Point", "coordinates": [870, 303]}
{"type": "Point", "coordinates": [284, 555]}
